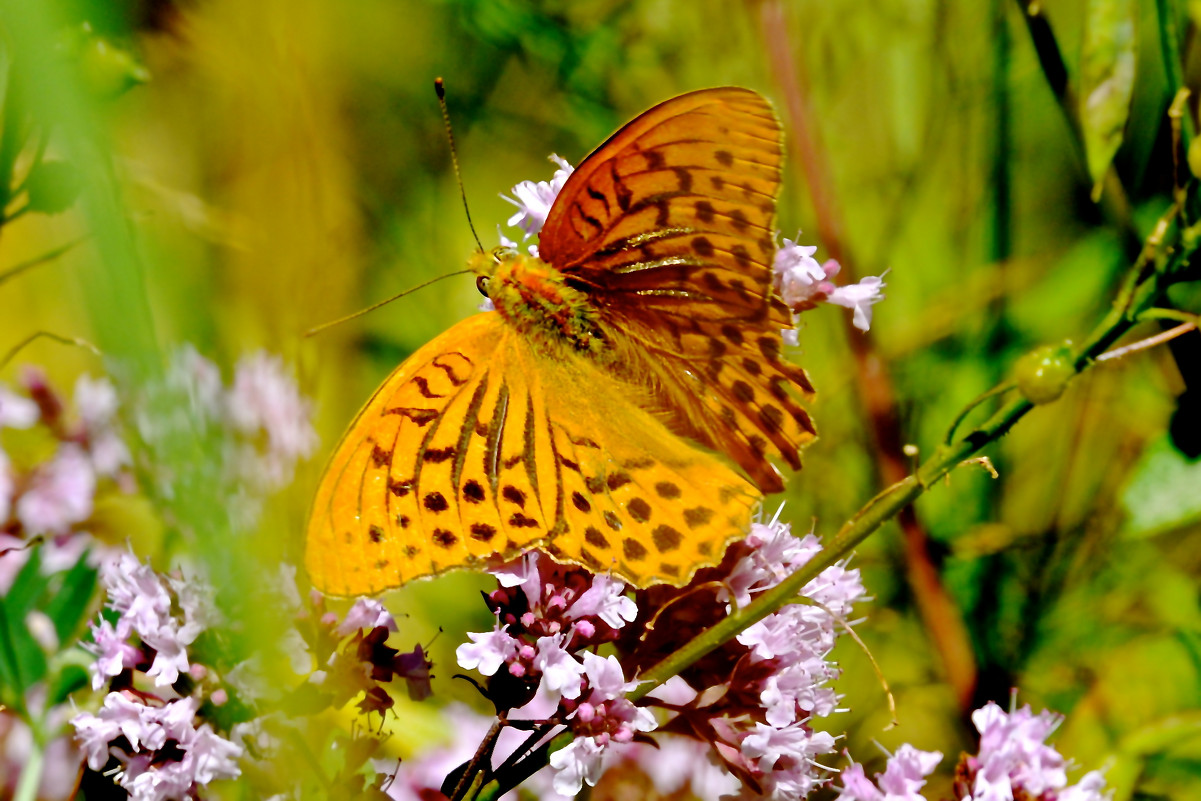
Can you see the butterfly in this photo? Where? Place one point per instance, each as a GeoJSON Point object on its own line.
{"type": "Point", "coordinates": [619, 408]}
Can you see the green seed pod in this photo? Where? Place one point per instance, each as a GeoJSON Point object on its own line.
{"type": "Point", "coordinates": [106, 69]}
{"type": "Point", "coordinates": [109, 70]}
{"type": "Point", "coordinates": [1044, 373]}
{"type": "Point", "coordinates": [1194, 157]}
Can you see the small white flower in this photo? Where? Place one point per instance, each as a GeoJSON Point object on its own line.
{"type": "Point", "coordinates": [798, 276]}
{"type": "Point", "coordinates": [580, 762]}
{"type": "Point", "coordinates": [860, 297]}
{"type": "Point", "coordinates": [534, 199]}
{"type": "Point", "coordinates": [607, 600]}
{"type": "Point", "coordinates": [486, 652]}
{"type": "Point", "coordinates": [561, 672]}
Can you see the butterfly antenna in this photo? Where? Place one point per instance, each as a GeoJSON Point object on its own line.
{"type": "Point", "coordinates": [318, 329]}
{"type": "Point", "coordinates": [454, 158]}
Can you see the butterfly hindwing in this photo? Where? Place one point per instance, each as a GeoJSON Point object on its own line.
{"type": "Point", "coordinates": [637, 500]}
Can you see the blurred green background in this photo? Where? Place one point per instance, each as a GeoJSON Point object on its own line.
{"type": "Point", "coordinates": [286, 163]}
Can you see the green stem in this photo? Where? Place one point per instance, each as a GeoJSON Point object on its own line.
{"type": "Point", "coordinates": [31, 773]}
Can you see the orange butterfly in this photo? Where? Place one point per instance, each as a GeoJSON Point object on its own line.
{"type": "Point", "coordinates": [582, 415]}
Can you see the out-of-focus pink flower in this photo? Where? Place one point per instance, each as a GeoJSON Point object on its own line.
{"type": "Point", "coordinates": [264, 398]}
{"type": "Point", "coordinates": [16, 411]}
{"type": "Point", "coordinates": [366, 613]}
{"type": "Point", "coordinates": [59, 494]}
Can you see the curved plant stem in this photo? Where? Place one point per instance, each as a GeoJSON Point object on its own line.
{"type": "Point", "coordinates": [1139, 294]}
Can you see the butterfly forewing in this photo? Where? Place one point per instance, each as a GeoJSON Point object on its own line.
{"type": "Point", "coordinates": [669, 226]}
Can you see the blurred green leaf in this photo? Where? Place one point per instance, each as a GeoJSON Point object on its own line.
{"type": "Point", "coordinates": [53, 187]}
{"type": "Point", "coordinates": [1163, 491]}
{"type": "Point", "coordinates": [1106, 82]}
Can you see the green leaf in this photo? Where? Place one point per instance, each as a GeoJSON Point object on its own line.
{"type": "Point", "coordinates": [1106, 82]}
{"type": "Point", "coordinates": [66, 681]}
{"type": "Point", "coordinates": [12, 683]}
{"type": "Point", "coordinates": [25, 661]}
{"type": "Point", "coordinates": [72, 603]}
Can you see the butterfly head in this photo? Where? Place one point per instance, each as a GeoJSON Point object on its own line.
{"type": "Point", "coordinates": [485, 263]}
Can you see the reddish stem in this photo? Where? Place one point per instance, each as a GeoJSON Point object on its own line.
{"type": "Point", "coordinates": [939, 612]}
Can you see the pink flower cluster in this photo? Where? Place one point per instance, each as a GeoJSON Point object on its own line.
{"type": "Point", "coordinates": [752, 700]}
{"type": "Point", "coordinates": [257, 428]}
{"type": "Point", "coordinates": [1014, 761]}
{"type": "Point", "coordinates": [54, 499]}
{"type": "Point", "coordinates": [542, 666]}
{"type": "Point", "coordinates": [803, 283]}
{"type": "Point", "coordinates": [159, 745]}
{"type": "Point", "coordinates": [755, 699]}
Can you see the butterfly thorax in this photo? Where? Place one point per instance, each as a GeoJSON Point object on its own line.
{"type": "Point", "coordinates": [536, 299]}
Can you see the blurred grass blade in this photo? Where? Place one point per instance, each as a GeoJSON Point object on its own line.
{"type": "Point", "coordinates": [1106, 82]}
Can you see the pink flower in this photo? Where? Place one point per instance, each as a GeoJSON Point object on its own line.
{"type": "Point", "coordinates": [784, 759]}
{"type": "Point", "coordinates": [113, 654]}
{"type": "Point", "coordinates": [150, 770]}
{"type": "Point", "coordinates": [1013, 752]}
{"type": "Point", "coordinates": [902, 779]}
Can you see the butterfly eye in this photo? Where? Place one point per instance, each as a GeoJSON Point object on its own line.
{"type": "Point", "coordinates": [481, 283]}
